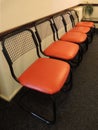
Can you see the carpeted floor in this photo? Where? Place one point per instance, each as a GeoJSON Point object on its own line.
{"type": "Point", "coordinates": [76, 110]}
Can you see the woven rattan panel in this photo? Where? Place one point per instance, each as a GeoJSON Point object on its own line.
{"type": "Point", "coordinates": [60, 26]}
{"type": "Point", "coordinates": [58, 21]}
{"type": "Point", "coordinates": [46, 34]}
{"type": "Point", "coordinates": [44, 29]}
{"type": "Point", "coordinates": [19, 44]}
{"type": "Point", "coordinates": [68, 21]}
{"type": "Point", "coordinates": [74, 16]}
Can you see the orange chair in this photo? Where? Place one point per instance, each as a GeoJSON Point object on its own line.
{"type": "Point", "coordinates": [82, 23]}
{"type": "Point", "coordinates": [69, 23]}
{"type": "Point", "coordinates": [76, 37]}
{"type": "Point", "coordinates": [44, 75]}
{"type": "Point", "coordinates": [63, 50]}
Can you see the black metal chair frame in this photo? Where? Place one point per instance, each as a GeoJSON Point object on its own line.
{"type": "Point", "coordinates": [92, 31]}
{"type": "Point", "coordinates": [83, 46]}
{"type": "Point", "coordinates": [74, 62]}
{"type": "Point", "coordinates": [89, 34]}
{"type": "Point", "coordinates": [10, 63]}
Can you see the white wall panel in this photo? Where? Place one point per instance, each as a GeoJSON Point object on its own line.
{"type": "Point", "coordinates": [89, 1]}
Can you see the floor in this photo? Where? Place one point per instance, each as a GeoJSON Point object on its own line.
{"type": "Point", "coordinates": [76, 110]}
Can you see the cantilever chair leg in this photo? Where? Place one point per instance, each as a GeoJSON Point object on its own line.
{"type": "Point", "coordinates": [75, 62]}
{"type": "Point", "coordinates": [68, 87]}
{"type": "Point", "coordinates": [68, 84]}
{"type": "Point", "coordinates": [84, 47]}
{"type": "Point", "coordinates": [42, 118]}
{"type": "Point", "coordinates": [40, 75]}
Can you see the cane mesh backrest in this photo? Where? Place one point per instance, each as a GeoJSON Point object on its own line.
{"type": "Point", "coordinates": [68, 21]}
{"type": "Point", "coordinates": [21, 49]}
{"type": "Point", "coordinates": [59, 25]}
{"type": "Point", "coordinates": [75, 16]}
{"type": "Point", "coordinates": [45, 33]}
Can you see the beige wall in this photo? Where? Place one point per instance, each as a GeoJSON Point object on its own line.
{"type": "Point", "coordinates": [14, 13]}
{"type": "Point", "coordinates": [90, 1]}
{"type": "Point", "coordinates": [8, 86]}
{"type": "Point", "coordinates": [17, 12]}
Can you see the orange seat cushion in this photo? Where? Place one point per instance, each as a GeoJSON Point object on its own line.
{"type": "Point", "coordinates": [86, 24]}
{"type": "Point", "coordinates": [62, 49]}
{"type": "Point", "coordinates": [80, 29]}
{"type": "Point", "coordinates": [45, 75]}
{"type": "Point", "coordinates": [76, 37]}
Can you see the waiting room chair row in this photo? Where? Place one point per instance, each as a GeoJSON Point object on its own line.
{"type": "Point", "coordinates": [53, 53]}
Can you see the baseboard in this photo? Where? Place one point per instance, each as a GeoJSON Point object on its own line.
{"type": "Point", "coordinates": [11, 96]}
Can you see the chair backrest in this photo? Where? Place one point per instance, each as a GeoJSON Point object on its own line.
{"type": "Point", "coordinates": [68, 21]}
{"type": "Point", "coordinates": [60, 27]}
{"type": "Point", "coordinates": [20, 51]}
{"type": "Point", "coordinates": [45, 35]}
{"type": "Point", "coordinates": [75, 16]}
